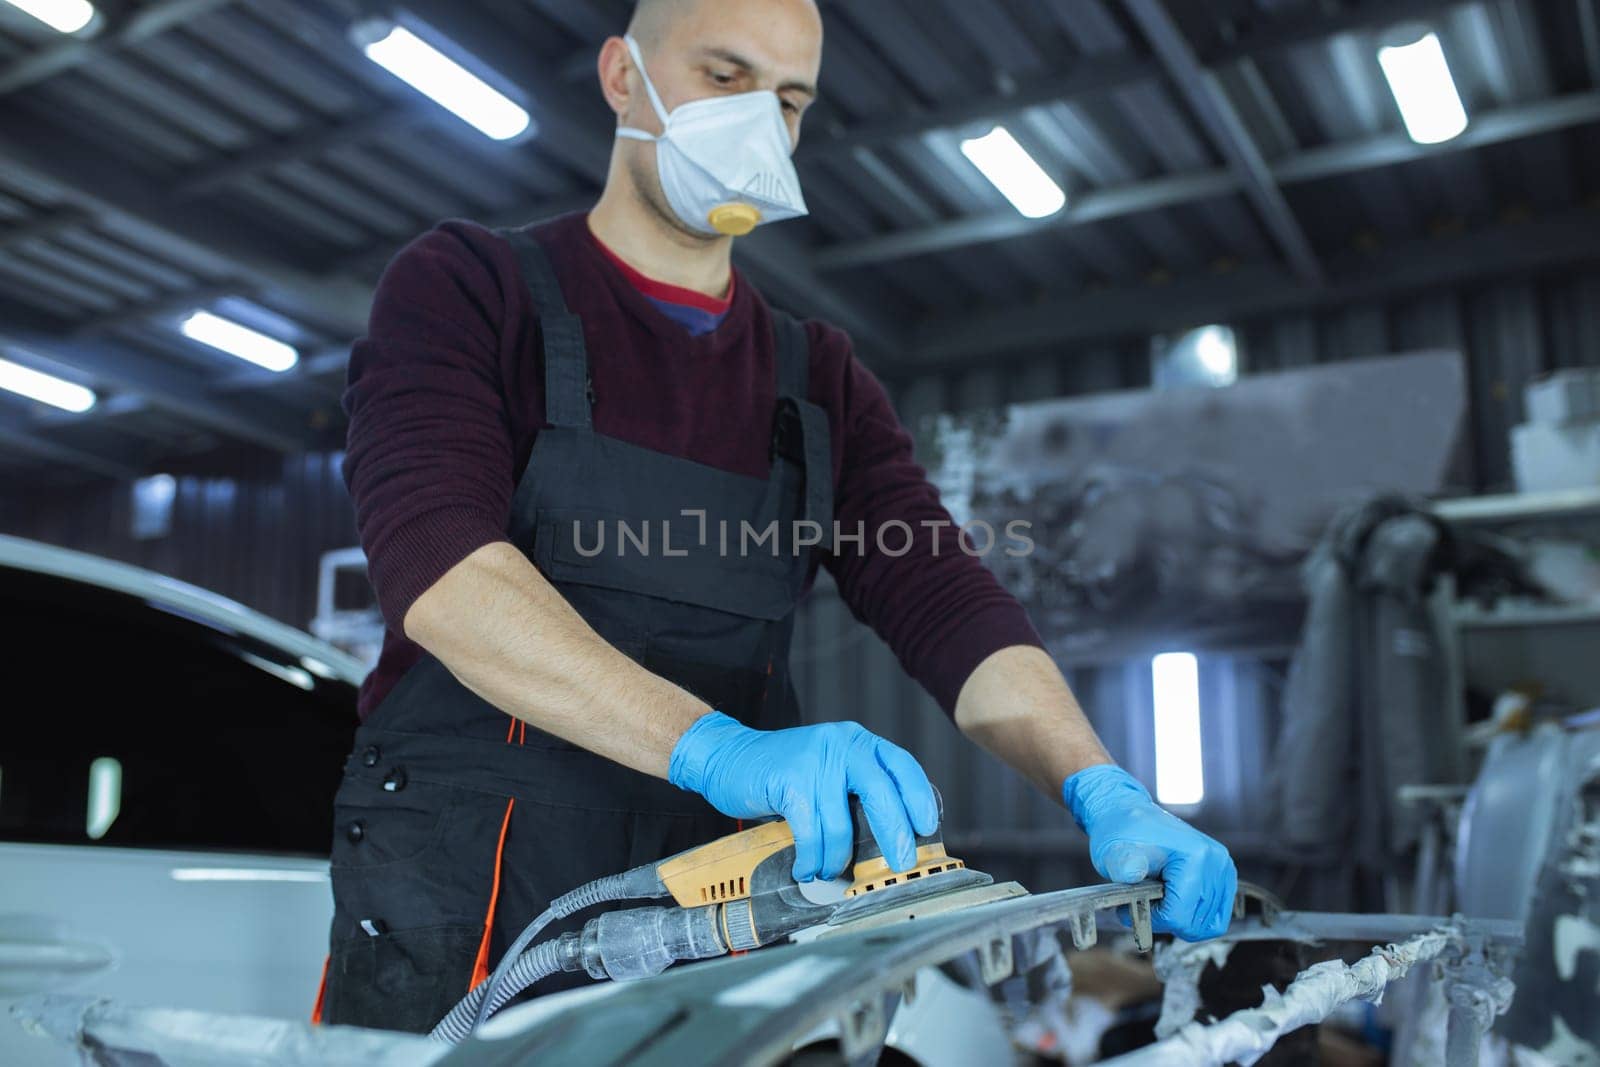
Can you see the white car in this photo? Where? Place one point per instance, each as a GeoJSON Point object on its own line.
{"type": "Point", "coordinates": [167, 770]}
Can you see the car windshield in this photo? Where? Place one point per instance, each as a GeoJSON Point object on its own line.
{"type": "Point", "coordinates": [131, 723]}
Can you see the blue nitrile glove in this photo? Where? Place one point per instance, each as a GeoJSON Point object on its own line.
{"type": "Point", "coordinates": [1131, 838]}
{"type": "Point", "coordinates": [806, 774]}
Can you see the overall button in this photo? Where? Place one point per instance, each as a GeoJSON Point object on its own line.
{"type": "Point", "coordinates": [355, 832]}
{"type": "Point", "coordinates": [370, 756]}
{"type": "Point", "coordinates": [395, 780]}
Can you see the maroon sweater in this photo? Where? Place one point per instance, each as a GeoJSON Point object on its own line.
{"type": "Point", "coordinates": [445, 398]}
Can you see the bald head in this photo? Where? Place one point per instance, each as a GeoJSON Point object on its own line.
{"type": "Point", "coordinates": [651, 17]}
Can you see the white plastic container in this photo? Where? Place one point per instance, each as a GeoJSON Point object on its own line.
{"type": "Point", "coordinates": [1546, 457]}
{"type": "Point", "coordinates": [1564, 397]}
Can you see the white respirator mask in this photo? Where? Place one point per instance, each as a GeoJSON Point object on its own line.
{"type": "Point", "coordinates": [724, 160]}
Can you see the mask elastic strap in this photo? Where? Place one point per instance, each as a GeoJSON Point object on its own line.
{"type": "Point", "coordinates": [649, 87]}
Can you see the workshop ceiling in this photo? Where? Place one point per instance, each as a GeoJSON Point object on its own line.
{"type": "Point", "coordinates": [1225, 156]}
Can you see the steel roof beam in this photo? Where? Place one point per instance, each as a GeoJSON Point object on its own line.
{"type": "Point", "coordinates": [315, 142]}
{"type": "Point", "coordinates": [1092, 316]}
{"type": "Point", "coordinates": [1091, 76]}
{"type": "Point", "coordinates": [1094, 206]}
{"type": "Point", "coordinates": [255, 257]}
{"type": "Point", "coordinates": [1589, 31]}
{"type": "Point", "coordinates": [1099, 74]}
{"type": "Point", "coordinates": [1095, 75]}
{"type": "Point", "coordinates": [46, 227]}
{"type": "Point", "coordinates": [313, 372]}
{"type": "Point", "coordinates": [138, 25]}
{"type": "Point", "coordinates": [1495, 127]}
{"type": "Point", "coordinates": [18, 436]}
{"type": "Point", "coordinates": [106, 410]}
{"type": "Point", "coordinates": [1228, 133]}
{"type": "Point", "coordinates": [166, 306]}
{"type": "Point", "coordinates": [161, 382]}
{"type": "Point", "coordinates": [1316, 26]}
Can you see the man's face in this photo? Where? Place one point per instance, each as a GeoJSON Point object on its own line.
{"type": "Point", "coordinates": [719, 48]}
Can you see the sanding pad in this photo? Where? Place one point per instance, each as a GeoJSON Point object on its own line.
{"type": "Point", "coordinates": [950, 891]}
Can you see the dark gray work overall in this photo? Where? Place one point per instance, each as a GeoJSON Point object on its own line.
{"type": "Point", "coordinates": [456, 825]}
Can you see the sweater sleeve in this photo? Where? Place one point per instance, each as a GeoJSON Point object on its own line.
{"type": "Point", "coordinates": [428, 458]}
{"type": "Point", "coordinates": [937, 607]}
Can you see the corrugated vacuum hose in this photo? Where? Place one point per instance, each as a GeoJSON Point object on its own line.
{"type": "Point", "coordinates": [640, 883]}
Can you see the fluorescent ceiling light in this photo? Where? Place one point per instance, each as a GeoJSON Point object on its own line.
{"type": "Point", "coordinates": [63, 16]}
{"type": "Point", "coordinates": [1016, 174]}
{"type": "Point", "coordinates": [437, 76]}
{"type": "Point", "coordinates": [241, 341]}
{"type": "Point", "coordinates": [1175, 677]}
{"type": "Point", "coordinates": [1420, 79]}
{"type": "Point", "coordinates": [45, 388]}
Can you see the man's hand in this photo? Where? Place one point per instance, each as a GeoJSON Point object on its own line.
{"type": "Point", "coordinates": [1130, 838]}
{"type": "Point", "coordinates": [1018, 706]}
{"type": "Point", "coordinates": [806, 775]}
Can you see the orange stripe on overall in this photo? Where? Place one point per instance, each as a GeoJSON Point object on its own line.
{"type": "Point", "coordinates": [480, 966]}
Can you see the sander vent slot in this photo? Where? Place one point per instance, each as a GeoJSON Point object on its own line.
{"type": "Point", "coordinates": [724, 890]}
{"type": "Point", "coordinates": [885, 880]}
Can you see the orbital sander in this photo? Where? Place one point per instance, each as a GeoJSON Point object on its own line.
{"type": "Point", "coordinates": [734, 894]}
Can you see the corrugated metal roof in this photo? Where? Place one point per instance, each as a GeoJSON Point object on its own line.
{"type": "Point", "coordinates": [198, 152]}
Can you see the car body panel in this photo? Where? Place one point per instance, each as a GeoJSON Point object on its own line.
{"type": "Point", "coordinates": [203, 881]}
{"type": "Point", "coordinates": [202, 604]}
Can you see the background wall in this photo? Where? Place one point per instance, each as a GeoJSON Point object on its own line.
{"type": "Point", "coordinates": [1511, 331]}
{"type": "Point", "coordinates": [995, 819]}
{"type": "Point", "coordinates": [248, 526]}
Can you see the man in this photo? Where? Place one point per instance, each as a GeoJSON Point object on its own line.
{"type": "Point", "coordinates": [548, 708]}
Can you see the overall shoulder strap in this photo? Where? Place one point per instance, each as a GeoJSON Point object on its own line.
{"type": "Point", "coordinates": [800, 428]}
{"type": "Point", "coordinates": [793, 354]}
{"type": "Point", "coordinates": [566, 361]}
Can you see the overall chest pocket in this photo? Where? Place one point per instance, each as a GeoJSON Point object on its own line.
{"type": "Point", "coordinates": [581, 547]}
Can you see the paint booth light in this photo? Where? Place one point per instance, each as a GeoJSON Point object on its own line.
{"type": "Point", "coordinates": [1016, 174]}
{"type": "Point", "coordinates": [153, 498]}
{"type": "Point", "coordinates": [1217, 352]}
{"type": "Point", "coordinates": [241, 341]}
{"type": "Point", "coordinates": [63, 16]}
{"type": "Point", "coordinates": [45, 388]}
{"type": "Point", "coordinates": [1420, 79]}
{"type": "Point", "coordinates": [437, 76]}
{"type": "Point", "coordinates": [1175, 678]}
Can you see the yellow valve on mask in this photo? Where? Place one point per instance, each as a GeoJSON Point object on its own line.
{"type": "Point", "coordinates": [734, 220]}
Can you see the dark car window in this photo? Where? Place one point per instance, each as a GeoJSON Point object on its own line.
{"type": "Point", "coordinates": [132, 725]}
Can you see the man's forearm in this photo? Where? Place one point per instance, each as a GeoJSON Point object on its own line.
{"type": "Point", "coordinates": [506, 634]}
{"type": "Point", "coordinates": [1017, 705]}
